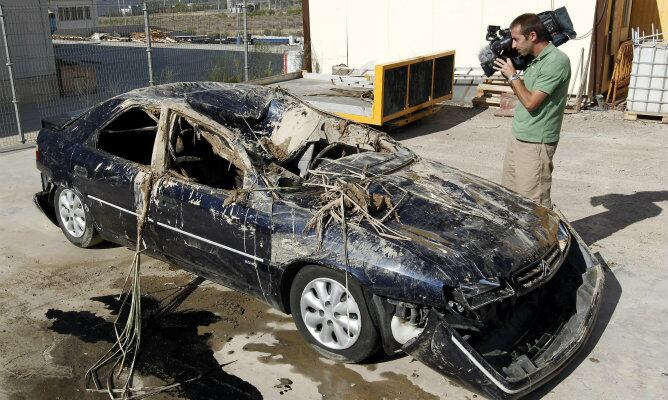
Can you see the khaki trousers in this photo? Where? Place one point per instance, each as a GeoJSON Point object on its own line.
{"type": "Point", "coordinates": [527, 170]}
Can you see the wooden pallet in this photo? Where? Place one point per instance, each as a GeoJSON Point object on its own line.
{"type": "Point", "coordinates": [495, 92]}
{"type": "Point", "coordinates": [490, 91]}
{"type": "Point", "coordinates": [634, 115]}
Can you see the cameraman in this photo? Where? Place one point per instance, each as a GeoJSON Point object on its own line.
{"type": "Point", "coordinates": [527, 167]}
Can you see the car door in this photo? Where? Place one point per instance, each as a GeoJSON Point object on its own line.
{"type": "Point", "coordinates": [108, 173]}
{"type": "Point", "coordinates": [197, 222]}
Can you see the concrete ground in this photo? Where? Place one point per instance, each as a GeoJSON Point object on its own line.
{"type": "Point", "coordinates": [57, 301]}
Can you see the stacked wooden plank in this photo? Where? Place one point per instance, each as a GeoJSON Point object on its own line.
{"type": "Point", "coordinates": [496, 93]}
{"type": "Point", "coordinates": [490, 91]}
{"type": "Point", "coordinates": [621, 76]}
{"type": "Point", "coordinates": [157, 36]}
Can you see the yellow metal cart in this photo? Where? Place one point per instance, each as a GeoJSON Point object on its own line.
{"type": "Point", "coordinates": [394, 93]}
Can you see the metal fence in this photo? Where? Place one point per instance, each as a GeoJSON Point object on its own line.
{"type": "Point", "coordinates": [63, 56]}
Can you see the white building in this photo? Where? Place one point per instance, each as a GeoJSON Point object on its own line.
{"type": "Point", "coordinates": [74, 14]}
{"type": "Point", "coordinates": [358, 33]}
{"type": "Point", "coordinates": [234, 6]}
{"type": "Point", "coordinates": [29, 42]}
{"type": "Point", "coordinates": [33, 65]}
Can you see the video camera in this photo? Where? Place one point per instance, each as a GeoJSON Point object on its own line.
{"type": "Point", "coordinates": [557, 24]}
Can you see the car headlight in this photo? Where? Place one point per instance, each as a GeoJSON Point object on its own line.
{"type": "Point", "coordinates": [481, 293]}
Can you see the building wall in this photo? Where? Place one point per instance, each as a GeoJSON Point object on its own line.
{"type": "Point", "coordinates": [31, 52]}
{"type": "Point", "coordinates": [74, 14]}
{"type": "Point", "coordinates": [358, 33]}
{"type": "Point", "coordinates": [28, 38]}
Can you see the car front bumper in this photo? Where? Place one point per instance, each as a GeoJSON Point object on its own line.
{"type": "Point", "coordinates": [443, 349]}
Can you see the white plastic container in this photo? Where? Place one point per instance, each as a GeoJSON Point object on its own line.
{"type": "Point", "coordinates": [648, 87]}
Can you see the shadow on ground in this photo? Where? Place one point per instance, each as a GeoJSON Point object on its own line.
{"type": "Point", "coordinates": [448, 117]}
{"type": "Point", "coordinates": [175, 350]}
{"type": "Point", "coordinates": [622, 211]}
{"type": "Point", "coordinates": [106, 245]}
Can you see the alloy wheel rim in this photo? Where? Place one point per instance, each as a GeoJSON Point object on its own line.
{"type": "Point", "coordinates": [71, 213]}
{"type": "Point", "coordinates": [330, 314]}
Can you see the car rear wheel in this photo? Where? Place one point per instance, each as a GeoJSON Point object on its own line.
{"type": "Point", "coordinates": [73, 218]}
{"type": "Point", "coordinates": [336, 323]}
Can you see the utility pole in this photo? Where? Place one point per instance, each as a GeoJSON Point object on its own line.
{"type": "Point", "coordinates": [236, 7]}
{"type": "Point", "coordinates": [147, 29]}
{"type": "Point", "coordinates": [245, 43]}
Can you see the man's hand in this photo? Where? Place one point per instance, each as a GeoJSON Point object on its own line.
{"type": "Point", "coordinates": [505, 66]}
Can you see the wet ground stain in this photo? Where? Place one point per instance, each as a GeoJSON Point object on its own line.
{"type": "Point", "coordinates": [179, 339]}
{"type": "Point", "coordinates": [181, 343]}
{"type": "Point", "coordinates": [175, 351]}
{"type": "Point", "coordinates": [335, 381]}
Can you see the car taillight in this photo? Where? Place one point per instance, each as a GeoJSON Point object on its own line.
{"type": "Point", "coordinates": [36, 153]}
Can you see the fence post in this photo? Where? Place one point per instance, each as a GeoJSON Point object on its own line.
{"type": "Point", "coordinates": [245, 44]}
{"type": "Point", "coordinates": [147, 29]}
{"type": "Point", "coordinates": [11, 75]}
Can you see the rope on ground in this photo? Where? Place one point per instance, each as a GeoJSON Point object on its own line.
{"type": "Point", "coordinates": [121, 358]}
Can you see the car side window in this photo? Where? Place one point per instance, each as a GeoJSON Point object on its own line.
{"type": "Point", "coordinates": [201, 156]}
{"type": "Point", "coordinates": [130, 136]}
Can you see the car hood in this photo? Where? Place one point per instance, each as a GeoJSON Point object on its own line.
{"type": "Point", "coordinates": [464, 227]}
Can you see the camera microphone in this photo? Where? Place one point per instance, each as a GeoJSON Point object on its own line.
{"type": "Point", "coordinates": [486, 55]}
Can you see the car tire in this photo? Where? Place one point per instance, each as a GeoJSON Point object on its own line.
{"type": "Point", "coordinates": [320, 306]}
{"type": "Point", "coordinates": [74, 219]}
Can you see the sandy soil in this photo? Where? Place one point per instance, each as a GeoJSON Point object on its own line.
{"type": "Point", "coordinates": [58, 301]}
{"type": "Point", "coordinates": [216, 23]}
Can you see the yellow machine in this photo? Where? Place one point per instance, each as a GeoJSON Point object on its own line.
{"type": "Point", "coordinates": [394, 93]}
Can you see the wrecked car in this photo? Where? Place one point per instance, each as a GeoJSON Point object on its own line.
{"type": "Point", "coordinates": [366, 244]}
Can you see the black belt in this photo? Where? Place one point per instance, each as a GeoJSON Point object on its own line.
{"type": "Point", "coordinates": [524, 141]}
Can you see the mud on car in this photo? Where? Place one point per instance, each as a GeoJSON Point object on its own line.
{"type": "Point", "coordinates": [366, 244]}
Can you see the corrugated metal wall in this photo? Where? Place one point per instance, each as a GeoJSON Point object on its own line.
{"type": "Point", "coordinates": [644, 13]}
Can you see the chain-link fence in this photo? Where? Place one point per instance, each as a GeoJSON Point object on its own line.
{"type": "Point", "coordinates": [67, 55]}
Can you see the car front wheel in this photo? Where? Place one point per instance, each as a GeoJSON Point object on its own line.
{"type": "Point", "coordinates": [73, 218]}
{"type": "Point", "coordinates": [335, 322]}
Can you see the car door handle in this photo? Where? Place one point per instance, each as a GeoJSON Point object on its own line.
{"type": "Point", "coordinates": [80, 171]}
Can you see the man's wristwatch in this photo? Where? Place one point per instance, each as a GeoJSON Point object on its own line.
{"type": "Point", "coordinates": [513, 77]}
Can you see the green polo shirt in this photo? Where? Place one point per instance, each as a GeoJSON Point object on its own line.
{"type": "Point", "coordinates": [550, 73]}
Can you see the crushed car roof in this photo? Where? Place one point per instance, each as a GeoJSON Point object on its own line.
{"type": "Point", "coordinates": [233, 100]}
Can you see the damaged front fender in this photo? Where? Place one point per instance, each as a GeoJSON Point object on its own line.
{"type": "Point", "coordinates": [454, 353]}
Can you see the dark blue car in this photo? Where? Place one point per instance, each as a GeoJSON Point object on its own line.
{"type": "Point", "coordinates": [367, 245]}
